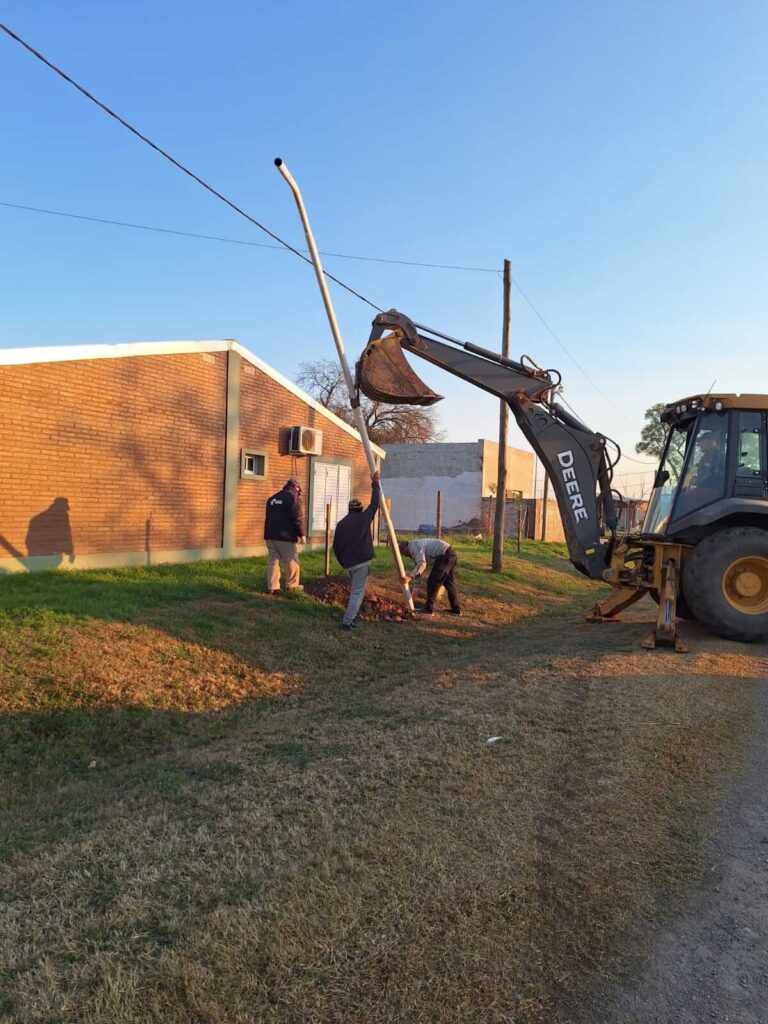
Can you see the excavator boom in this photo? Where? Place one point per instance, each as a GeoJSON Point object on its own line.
{"type": "Point", "coordinates": [573, 456]}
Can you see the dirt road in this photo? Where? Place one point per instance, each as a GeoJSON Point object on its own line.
{"type": "Point", "coordinates": [711, 963]}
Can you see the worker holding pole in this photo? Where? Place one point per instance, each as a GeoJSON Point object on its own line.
{"type": "Point", "coordinates": [353, 398]}
{"type": "Point", "coordinates": [353, 547]}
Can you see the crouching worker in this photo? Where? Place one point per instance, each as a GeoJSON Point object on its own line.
{"type": "Point", "coordinates": [442, 559]}
{"type": "Point", "coordinates": [353, 547]}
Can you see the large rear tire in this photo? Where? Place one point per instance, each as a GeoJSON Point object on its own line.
{"type": "Point", "coordinates": [725, 582]}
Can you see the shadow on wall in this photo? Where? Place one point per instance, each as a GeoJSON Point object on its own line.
{"type": "Point", "coordinates": [49, 536]}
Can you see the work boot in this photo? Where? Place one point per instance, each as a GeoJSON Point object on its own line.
{"type": "Point", "coordinates": [348, 626]}
{"type": "Point", "coordinates": [426, 610]}
{"type": "Point", "coordinates": [456, 611]}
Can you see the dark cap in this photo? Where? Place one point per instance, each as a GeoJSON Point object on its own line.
{"type": "Point", "coordinates": [355, 505]}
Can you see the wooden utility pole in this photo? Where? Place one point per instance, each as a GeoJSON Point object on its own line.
{"type": "Point", "coordinates": [544, 504]}
{"type": "Point", "coordinates": [501, 477]}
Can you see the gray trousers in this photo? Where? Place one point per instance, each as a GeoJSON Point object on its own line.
{"type": "Point", "coordinates": [359, 575]}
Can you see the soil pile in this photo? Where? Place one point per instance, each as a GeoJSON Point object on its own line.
{"type": "Point", "coordinates": [376, 607]}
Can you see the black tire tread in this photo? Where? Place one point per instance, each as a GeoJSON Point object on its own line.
{"type": "Point", "coordinates": [702, 583]}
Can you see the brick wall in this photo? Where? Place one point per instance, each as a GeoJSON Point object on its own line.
{"type": "Point", "coordinates": [108, 455]}
{"type": "Point", "coordinates": [128, 454]}
{"type": "Point", "coordinates": [267, 411]}
{"type": "Point", "coordinates": [554, 526]}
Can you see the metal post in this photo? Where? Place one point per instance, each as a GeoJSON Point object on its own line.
{"type": "Point", "coordinates": [353, 401]}
{"type": "Point", "coordinates": [544, 507]}
{"type": "Point", "coordinates": [439, 516]}
{"type": "Point", "coordinates": [519, 523]}
{"type": "Point", "coordinates": [501, 477]}
{"type": "Point", "coordinates": [328, 540]}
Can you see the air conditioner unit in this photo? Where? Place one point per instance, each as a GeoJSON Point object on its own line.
{"type": "Point", "coordinates": [305, 441]}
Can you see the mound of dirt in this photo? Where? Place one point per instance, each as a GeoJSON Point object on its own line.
{"type": "Point", "coordinates": [376, 607]}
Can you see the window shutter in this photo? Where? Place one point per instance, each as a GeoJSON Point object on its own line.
{"type": "Point", "coordinates": [331, 483]}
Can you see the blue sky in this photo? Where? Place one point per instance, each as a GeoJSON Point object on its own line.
{"type": "Point", "coordinates": [615, 152]}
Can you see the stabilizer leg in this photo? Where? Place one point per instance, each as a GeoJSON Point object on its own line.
{"type": "Point", "coordinates": [609, 610]}
{"type": "Point", "coordinates": [665, 632]}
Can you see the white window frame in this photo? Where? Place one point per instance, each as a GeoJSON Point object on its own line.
{"type": "Point", "coordinates": [247, 453]}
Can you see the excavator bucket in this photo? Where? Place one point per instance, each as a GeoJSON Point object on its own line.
{"type": "Point", "coordinates": [384, 375]}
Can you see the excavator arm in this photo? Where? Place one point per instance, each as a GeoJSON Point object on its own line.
{"type": "Point", "coordinates": [574, 457]}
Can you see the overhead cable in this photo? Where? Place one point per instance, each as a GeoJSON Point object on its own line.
{"type": "Point", "coordinates": [176, 163]}
{"type": "Point", "coordinates": [262, 227]}
{"type": "Point", "coordinates": [241, 241]}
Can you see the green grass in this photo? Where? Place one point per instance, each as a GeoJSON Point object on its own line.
{"type": "Point", "coordinates": [217, 807]}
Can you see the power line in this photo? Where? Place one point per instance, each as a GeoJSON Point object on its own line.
{"type": "Point", "coordinates": [570, 355]}
{"type": "Point", "coordinates": [262, 227]}
{"type": "Point", "coordinates": [240, 241]}
{"type": "Point", "coordinates": [339, 255]}
{"type": "Point", "coordinates": [158, 149]}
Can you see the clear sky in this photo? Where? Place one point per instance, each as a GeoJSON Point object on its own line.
{"type": "Point", "coordinates": [616, 152]}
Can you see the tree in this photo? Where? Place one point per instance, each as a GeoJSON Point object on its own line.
{"type": "Point", "coordinates": [386, 424]}
{"type": "Point", "coordinates": [653, 436]}
{"type": "Point", "coordinates": [653, 440]}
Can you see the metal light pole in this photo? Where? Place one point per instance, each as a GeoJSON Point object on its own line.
{"type": "Point", "coordinates": [353, 399]}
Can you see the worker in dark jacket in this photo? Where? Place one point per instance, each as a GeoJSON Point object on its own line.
{"type": "Point", "coordinates": [284, 532]}
{"type": "Point", "coordinates": [353, 547]}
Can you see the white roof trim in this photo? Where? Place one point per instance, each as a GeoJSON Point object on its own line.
{"type": "Point", "coordinates": [67, 353]}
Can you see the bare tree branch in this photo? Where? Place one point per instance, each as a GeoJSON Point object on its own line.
{"type": "Point", "coordinates": [386, 424]}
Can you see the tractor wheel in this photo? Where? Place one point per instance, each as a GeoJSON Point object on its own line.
{"type": "Point", "coordinates": [683, 611]}
{"type": "Point", "coordinates": [725, 582]}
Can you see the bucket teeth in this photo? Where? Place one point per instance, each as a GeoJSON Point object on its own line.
{"type": "Point", "coordinates": [383, 374]}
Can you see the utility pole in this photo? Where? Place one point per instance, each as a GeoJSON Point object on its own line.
{"type": "Point", "coordinates": [353, 400]}
{"type": "Point", "coordinates": [501, 477]}
{"type": "Point", "coordinates": [544, 504]}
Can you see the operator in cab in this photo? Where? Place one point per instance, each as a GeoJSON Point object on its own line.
{"type": "Point", "coordinates": [709, 471]}
{"type": "Point", "coordinates": [441, 560]}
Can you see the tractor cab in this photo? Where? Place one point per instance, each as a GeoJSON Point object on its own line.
{"type": "Point", "coordinates": [714, 470]}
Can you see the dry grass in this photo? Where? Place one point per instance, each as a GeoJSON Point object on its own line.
{"type": "Point", "coordinates": [288, 824]}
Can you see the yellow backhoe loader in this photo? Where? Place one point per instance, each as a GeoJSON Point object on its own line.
{"type": "Point", "coordinates": [703, 550]}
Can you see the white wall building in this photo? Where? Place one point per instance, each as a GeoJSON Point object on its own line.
{"type": "Point", "coordinates": [465, 473]}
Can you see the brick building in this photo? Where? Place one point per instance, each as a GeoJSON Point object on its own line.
{"type": "Point", "coordinates": [157, 452]}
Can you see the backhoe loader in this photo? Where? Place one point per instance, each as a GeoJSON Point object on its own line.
{"type": "Point", "coordinates": [702, 552]}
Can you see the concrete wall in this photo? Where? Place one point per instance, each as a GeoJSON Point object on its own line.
{"type": "Point", "coordinates": [519, 469]}
{"type": "Point", "coordinates": [463, 472]}
{"type": "Point", "coordinates": [414, 473]}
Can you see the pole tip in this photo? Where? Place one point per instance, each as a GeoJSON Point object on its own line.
{"type": "Point", "coordinates": [278, 162]}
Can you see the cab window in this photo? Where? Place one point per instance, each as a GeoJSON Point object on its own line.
{"type": "Point", "coordinates": [750, 458]}
{"type": "Point", "coordinates": [704, 474]}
